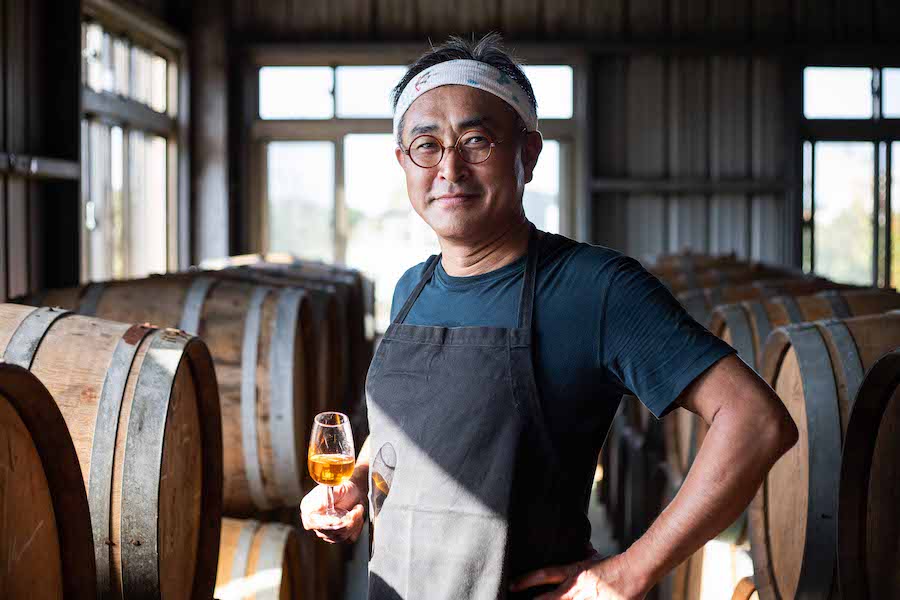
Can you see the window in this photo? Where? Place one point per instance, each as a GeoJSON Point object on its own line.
{"type": "Point", "coordinates": [848, 164]}
{"type": "Point", "coordinates": [837, 93]}
{"type": "Point", "coordinates": [130, 141]}
{"type": "Point", "coordinates": [333, 189]}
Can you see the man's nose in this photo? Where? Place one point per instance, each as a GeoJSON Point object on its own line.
{"type": "Point", "coordinates": [452, 167]}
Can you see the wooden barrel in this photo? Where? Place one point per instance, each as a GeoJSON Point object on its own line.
{"type": "Point", "coordinates": [868, 524]}
{"type": "Point", "coordinates": [684, 582]}
{"type": "Point", "coordinates": [261, 342]}
{"type": "Point", "coordinates": [816, 369]}
{"type": "Point", "coordinates": [701, 303]}
{"type": "Point", "coordinates": [746, 325]}
{"type": "Point", "coordinates": [46, 544]}
{"type": "Point", "coordinates": [679, 281]}
{"type": "Point", "coordinates": [737, 325]}
{"type": "Point", "coordinates": [264, 561]}
{"type": "Point", "coordinates": [691, 260]}
{"type": "Point", "coordinates": [349, 286]}
{"type": "Point", "coordinates": [329, 331]}
{"type": "Point", "coordinates": [745, 590]}
{"type": "Point", "coordinates": [143, 410]}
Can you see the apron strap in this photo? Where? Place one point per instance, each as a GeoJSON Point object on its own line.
{"type": "Point", "coordinates": [429, 271]}
{"type": "Point", "coordinates": [526, 300]}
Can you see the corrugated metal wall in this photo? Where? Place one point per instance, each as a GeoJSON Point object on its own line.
{"type": "Point", "coordinates": [695, 120]}
{"type": "Point", "coordinates": [820, 20]}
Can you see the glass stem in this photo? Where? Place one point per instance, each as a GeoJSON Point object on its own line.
{"type": "Point", "coordinates": [329, 509]}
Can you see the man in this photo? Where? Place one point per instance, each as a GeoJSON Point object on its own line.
{"type": "Point", "coordinates": [496, 384]}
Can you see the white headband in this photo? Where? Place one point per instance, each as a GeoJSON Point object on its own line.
{"type": "Point", "coordinates": [474, 74]}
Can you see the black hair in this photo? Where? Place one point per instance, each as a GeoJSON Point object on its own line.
{"type": "Point", "coordinates": [489, 50]}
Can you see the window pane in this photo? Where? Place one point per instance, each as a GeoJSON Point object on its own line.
{"type": "Point", "coordinates": [158, 72]}
{"type": "Point", "coordinates": [843, 213]}
{"type": "Point", "coordinates": [365, 91]}
{"type": "Point", "coordinates": [890, 93]}
{"type": "Point", "coordinates": [837, 93]}
{"type": "Point", "coordinates": [296, 93]}
{"type": "Point", "coordinates": [147, 207]}
{"type": "Point", "coordinates": [386, 236]}
{"type": "Point", "coordinates": [122, 60]}
{"type": "Point", "coordinates": [141, 64]}
{"type": "Point", "coordinates": [301, 199]}
{"type": "Point", "coordinates": [541, 199]}
{"type": "Point", "coordinates": [115, 217]}
{"type": "Point", "coordinates": [553, 89]}
{"type": "Point", "coordinates": [93, 53]}
{"type": "Point", "coordinates": [99, 239]}
{"type": "Point", "coordinates": [895, 214]}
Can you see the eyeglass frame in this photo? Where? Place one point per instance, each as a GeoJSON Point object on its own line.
{"type": "Point", "coordinates": [407, 150]}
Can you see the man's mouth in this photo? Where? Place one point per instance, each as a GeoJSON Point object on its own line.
{"type": "Point", "coordinates": [453, 199]}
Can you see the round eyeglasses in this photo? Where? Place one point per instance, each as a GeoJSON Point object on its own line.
{"type": "Point", "coordinates": [474, 147]}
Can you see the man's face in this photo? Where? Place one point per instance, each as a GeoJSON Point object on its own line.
{"type": "Point", "coordinates": [459, 200]}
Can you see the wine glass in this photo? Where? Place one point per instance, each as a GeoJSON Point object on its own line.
{"type": "Point", "coordinates": [331, 461]}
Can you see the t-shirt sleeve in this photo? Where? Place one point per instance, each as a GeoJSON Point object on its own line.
{"type": "Point", "coordinates": [648, 341]}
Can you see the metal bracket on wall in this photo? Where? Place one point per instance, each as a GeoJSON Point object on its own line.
{"type": "Point", "coordinates": [39, 167]}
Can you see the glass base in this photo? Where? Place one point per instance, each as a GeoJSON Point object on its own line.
{"type": "Point", "coordinates": [333, 519]}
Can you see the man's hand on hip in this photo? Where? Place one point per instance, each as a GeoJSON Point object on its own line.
{"type": "Point", "coordinates": [596, 579]}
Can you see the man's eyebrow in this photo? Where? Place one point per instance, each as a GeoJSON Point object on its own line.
{"type": "Point", "coordinates": [479, 121]}
{"type": "Point", "coordinates": [420, 129]}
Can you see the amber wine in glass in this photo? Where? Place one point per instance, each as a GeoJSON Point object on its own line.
{"type": "Point", "coordinates": [331, 461]}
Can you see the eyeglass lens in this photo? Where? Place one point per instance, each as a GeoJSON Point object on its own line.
{"type": "Point", "coordinates": [473, 147]}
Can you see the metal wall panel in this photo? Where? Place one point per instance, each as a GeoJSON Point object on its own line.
{"type": "Point", "coordinates": [768, 160]}
{"type": "Point", "coordinates": [689, 151]}
{"type": "Point", "coordinates": [646, 150]}
{"type": "Point", "coordinates": [729, 152]}
{"type": "Point", "coordinates": [761, 20]}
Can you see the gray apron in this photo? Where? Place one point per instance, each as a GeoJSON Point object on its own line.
{"type": "Point", "coordinates": [467, 490]}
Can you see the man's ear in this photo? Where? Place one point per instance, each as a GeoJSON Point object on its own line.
{"type": "Point", "coordinates": [531, 149]}
{"type": "Point", "coordinates": [399, 154]}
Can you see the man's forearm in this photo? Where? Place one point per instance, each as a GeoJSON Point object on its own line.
{"type": "Point", "coordinates": [736, 455]}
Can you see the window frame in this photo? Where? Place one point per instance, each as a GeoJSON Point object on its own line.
{"type": "Point", "coordinates": [145, 30]}
{"type": "Point", "coordinates": [571, 133]}
{"type": "Point", "coordinates": [876, 130]}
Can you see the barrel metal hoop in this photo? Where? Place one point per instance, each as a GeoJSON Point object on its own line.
{"type": "Point", "coordinates": [761, 320]}
{"type": "Point", "coordinates": [241, 560]}
{"type": "Point", "coordinates": [104, 445]}
{"type": "Point", "coordinates": [271, 556]}
{"type": "Point", "coordinates": [143, 463]}
{"type": "Point", "coordinates": [193, 304]}
{"type": "Point", "coordinates": [282, 422]}
{"type": "Point", "coordinates": [29, 334]}
{"type": "Point", "coordinates": [793, 309]}
{"type": "Point", "coordinates": [849, 354]}
{"type": "Point", "coordinates": [741, 335]}
{"type": "Point", "coordinates": [824, 439]}
{"type": "Point", "coordinates": [839, 306]}
{"type": "Point", "coordinates": [249, 435]}
{"type": "Point", "coordinates": [90, 299]}
{"type": "Point", "coordinates": [872, 401]}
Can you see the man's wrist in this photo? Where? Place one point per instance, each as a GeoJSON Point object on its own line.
{"type": "Point", "coordinates": [641, 575]}
{"type": "Point", "coordinates": [360, 477]}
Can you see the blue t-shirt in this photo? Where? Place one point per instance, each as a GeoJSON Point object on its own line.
{"type": "Point", "coordinates": [604, 327]}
